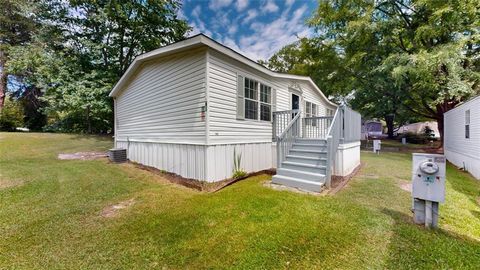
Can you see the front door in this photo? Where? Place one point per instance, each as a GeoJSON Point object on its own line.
{"type": "Point", "coordinates": [295, 103]}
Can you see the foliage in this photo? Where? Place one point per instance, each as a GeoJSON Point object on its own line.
{"type": "Point", "coordinates": [238, 172]}
{"type": "Point", "coordinates": [11, 115]}
{"type": "Point", "coordinates": [428, 132]}
{"type": "Point", "coordinates": [417, 138]}
{"type": "Point", "coordinates": [16, 29]}
{"type": "Point", "coordinates": [400, 59]}
{"type": "Point", "coordinates": [368, 225]}
{"type": "Point", "coordinates": [81, 49]}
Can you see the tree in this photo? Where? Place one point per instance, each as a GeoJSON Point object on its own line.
{"type": "Point", "coordinates": [16, 29]}
{"type": "Point", "coordinates": [82, 49]}
{"type": "Point", "coordinates": [398, 55]}
{"type": "Point", "coordinates": [108, 35]}
{"type": "Point", "coordinates": [11, 116]}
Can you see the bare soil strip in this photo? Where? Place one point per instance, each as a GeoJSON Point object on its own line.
{"type": "Point", "coordinates": [82, 156]}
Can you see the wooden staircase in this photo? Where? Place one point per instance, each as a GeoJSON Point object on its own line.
{"type": "Point", "coordinates": [304, 166]}
{"type": "Point", "coordinates": [307, 146]}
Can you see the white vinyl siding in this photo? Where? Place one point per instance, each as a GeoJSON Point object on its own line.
{"type": "Point", "coordinates": [460, 150]}
{"type": "Point", "coordinates": [163, 101]}
{"type": "Point", "coordinates": [225, 125]}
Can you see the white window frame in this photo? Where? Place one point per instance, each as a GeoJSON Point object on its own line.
{"type": "Point", "coordinates": [258, 100]}
{"type": "Point", "coordinates": [311, 110]}
{"type": "Point", "coordinates": [245, 87]}
{"type": "Point", "coordinates": [268, 103]}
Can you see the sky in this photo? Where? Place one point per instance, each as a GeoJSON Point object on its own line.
{"type": "Point", "coordinates": [255, 28]}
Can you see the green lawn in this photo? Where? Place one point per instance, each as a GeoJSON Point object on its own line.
{"type": "Point", "coordinates": [50, 217]}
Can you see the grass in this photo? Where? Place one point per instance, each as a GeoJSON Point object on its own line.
{"type": "Point", "coordinates": [50, 217]}
{"type": "Point", "coordinates": [389, 143]}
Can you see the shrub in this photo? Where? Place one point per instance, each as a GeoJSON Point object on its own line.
{"type": "Point", "coordinates": [11, 115]}
{"type": "Point", "coordinates": [415, 138]}
{"type": "Point", "coordinates": [237, 169]}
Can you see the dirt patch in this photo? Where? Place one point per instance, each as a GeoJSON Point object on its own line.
{"type": "Point", "coordinates": [404, 185]}
{"type": "Point", "coordinates": [114, 210]}
{"type": "Point", "coordinates": [82, 156]}
{"type": "Point", "coordinates": [271, 185]}
{"type": "Point", "coordinates": [8, 183]}
{"type": "Point", "coordinates": [339, 182]}
{"type": "Point", "coordinates": [478, 201]}
{"type": "Point", "coordinates": [4, 183]}
{"type": "Point", "coordinates": [197, 184]}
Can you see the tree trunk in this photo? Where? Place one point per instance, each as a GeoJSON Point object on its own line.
{"type": "Point", "coordinates": [89, 125]}
{"type": "Point", "coordinates": [3, 79]}
{"type": "Point", "coordinates": [389, 119]}
{"type": "Point", "coordinates": [440, 128]}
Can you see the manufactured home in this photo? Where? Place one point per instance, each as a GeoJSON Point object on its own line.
{"type": "Point", "coordinates": [419, 128]}
{"type": "Point", "coordinates": [462, 136]}
{"type": "Point", "coordinates": [195, 106]}
{"type": "Point", "coordinates": [371, 129]}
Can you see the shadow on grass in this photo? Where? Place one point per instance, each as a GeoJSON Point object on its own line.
{"type": "Point", "coordinates": [415, 247]}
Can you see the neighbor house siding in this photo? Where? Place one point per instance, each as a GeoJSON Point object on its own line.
{"type": "Point", "coordinates": [458, 149]}
{"type": "Point", "coordinates": [224, 127]}
{"type": "Point", "coordinates": [163, 102]}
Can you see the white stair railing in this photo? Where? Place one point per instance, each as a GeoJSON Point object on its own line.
{"type": "Point", "coordinates": [286, 139]}
{"type": "Point", "coordinates": [345, 128]}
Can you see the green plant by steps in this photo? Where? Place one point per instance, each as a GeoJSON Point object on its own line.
{"type": "Point", "coordinates": [237, 161]}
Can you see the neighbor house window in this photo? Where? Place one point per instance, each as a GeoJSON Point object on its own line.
{"type": "Point", "coordinates": [467, 124]}
{"type": "Point", "coordinates": [251, 99]}
{"type": "Point", "coordinates": [258, 101]}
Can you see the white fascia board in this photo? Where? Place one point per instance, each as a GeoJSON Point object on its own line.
{"type": "Point", "coordinates": [199, 40]}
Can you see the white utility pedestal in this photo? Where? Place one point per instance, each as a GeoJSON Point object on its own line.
{"type": "Point", "coordinates": [428, 187]}
{"type": "Point", "coordinates": [377, 144]}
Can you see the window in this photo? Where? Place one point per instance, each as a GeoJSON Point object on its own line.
{"type": "Point", "coordinates": [251, 99]}
{"type": "Point", "coordinates": [308, 109]}
{"type": "Point", "coordinates": [311, 111]}
{"type": "Point", "coordinates": [258, 98]}
{"type": "Point", "coordinates": [467, 124]}
{"type": "Point", "coordinates": [265, 103]}
{"type": "Point", "coordinates": [329, 112]}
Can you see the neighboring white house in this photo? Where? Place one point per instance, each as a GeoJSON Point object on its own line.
{"type": "Point", "coordinates": [462, 136]}
{"type": "Point", "coordinates": [419, 128]}
{"type": "Point", "coordinates": [187, 107]}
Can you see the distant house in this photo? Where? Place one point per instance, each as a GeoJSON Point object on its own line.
{"type": "Point", "coordinates": [419, 128]}
{"type": "Point", "coordinates": [462, 136]}
{"type": "Point", "coordinates": [196, 106]}
{"type": "Point", "coordinates": [371, 129]}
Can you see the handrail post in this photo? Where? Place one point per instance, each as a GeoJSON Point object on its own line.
{"type": "Point", "coordinates": [274, 127]}
{"type": "Point", "coordinates": [329, 164]}
{"type": "Point", "coordinates": [285, 139]}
